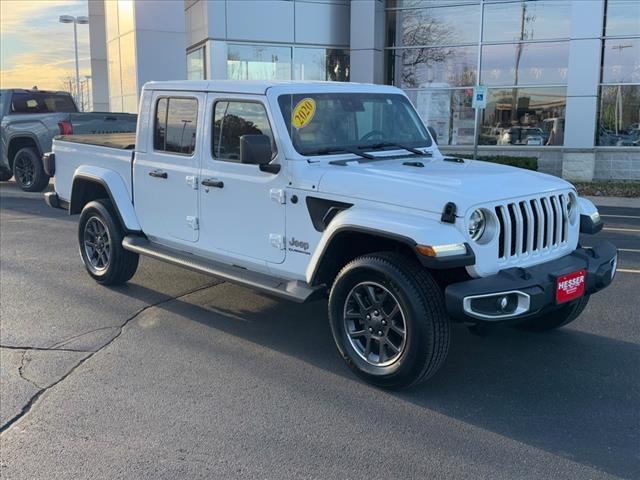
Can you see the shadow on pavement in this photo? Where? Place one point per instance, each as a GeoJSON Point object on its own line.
{"type": "Point", "coordinates": [555, 391]}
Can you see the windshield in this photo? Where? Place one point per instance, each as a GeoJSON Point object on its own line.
{"type": "Point", "coordinates": [41, 102]}
{"type": "Point", "coordinates": [323, 123]}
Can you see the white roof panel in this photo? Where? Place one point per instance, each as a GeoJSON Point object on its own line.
{"type": "Point", "coordinates": [256, 87]}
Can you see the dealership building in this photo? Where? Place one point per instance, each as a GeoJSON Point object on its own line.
{"type": "Point", "coordinates": [562, 76]}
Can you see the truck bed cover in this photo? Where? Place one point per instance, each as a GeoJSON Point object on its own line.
{"type": "Point", "coordinates": [122, 141]}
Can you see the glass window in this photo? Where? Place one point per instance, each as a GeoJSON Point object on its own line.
{"type": "Point", "coordinates": [525, 64]}
{"type": "Point", "coordinates": [234, 119]}
{"type": "Point", "coordinates": [621, 61]}
{"type": "Point", "coordinates": [321, 64]}
{"type": "Point", "coordinates": [349, 120]}
{"type": "Point", "coordinates": [258, 62]}
{"type": "Point", "coordinates": [448, 112]}
{"type": "Point", "coordinates": [195, 64]}
{"type": "Point", "coordinates": [175, 125]}
{"type": "Point", "coordinates": [437, 66]}
{"type": "Point", "coordinates": [524, 116]}
{"type": "Point", "coordinates": [527, 20]}
{"type": "Point", "coordinates": [40, 102]}
{"type": "Point", "coordinates": [623, 17]}
{"type": "Point", "coordinates": [159, 136]}
{"type": "Point", "coordinates": [434, 26]}
{"type": "Point", "coordinates": [619, 116]}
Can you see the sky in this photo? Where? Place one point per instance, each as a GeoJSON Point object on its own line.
{"type": "Point", "coordinates": [35, 49]}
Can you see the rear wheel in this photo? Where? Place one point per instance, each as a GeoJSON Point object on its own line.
{"type": "Point", "coordinates": [100, 237]}
{"type": "Point", "coordinates": [28, 170]}
{"type": "Point", "coordinates": [388, 320]}
{"type": "Point", "coordinates": [556, 319]}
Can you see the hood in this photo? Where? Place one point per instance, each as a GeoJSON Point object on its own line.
{"type": "Point", "coordinates": [429, 188]}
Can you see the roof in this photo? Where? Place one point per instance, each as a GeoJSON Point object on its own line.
{"type": "Point", "coordinates": [256, 87]}
{"type": "Point", "coordinates": [32, 90]}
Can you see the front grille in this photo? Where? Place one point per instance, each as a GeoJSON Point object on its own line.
{"type": "Point", "coordinates": [532, 226]}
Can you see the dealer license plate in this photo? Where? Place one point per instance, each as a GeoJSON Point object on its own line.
{"type": "Point", "coordinates": [570, 286]}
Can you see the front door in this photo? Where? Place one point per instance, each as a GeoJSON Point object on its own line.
{"type": "Point", "coordinates": [166, 175]}
{"type": "Point", "coordinates": [242, 207]}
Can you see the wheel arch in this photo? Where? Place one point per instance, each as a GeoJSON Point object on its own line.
{"type": "Point", "coordinates": [359, 231]}
{"type": "Point", "coordinates": [89, 186]}
{"type": "Point", "coordinates": [18, 142]}
{"type": "Point", "coordinates": [349, 242]}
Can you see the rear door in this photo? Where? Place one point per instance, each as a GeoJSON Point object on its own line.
{"type": "Point", "coordinates": [165, 177]}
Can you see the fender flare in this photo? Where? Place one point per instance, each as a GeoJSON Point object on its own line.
{"type": "Point", "coordinates": [19, 135]}
{"type": "Point", "coordinates": [115, 188]}
{"type": "Point", "coordinates": [409, 229]}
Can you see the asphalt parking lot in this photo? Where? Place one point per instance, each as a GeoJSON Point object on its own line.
{"type": "Point", "coordinates": [180, 375]}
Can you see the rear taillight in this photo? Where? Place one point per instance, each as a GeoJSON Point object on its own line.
{"type": "Point", "coordinates": [65, 128]}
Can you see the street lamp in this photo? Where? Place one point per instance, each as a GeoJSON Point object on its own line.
{"type": "Point", "coordinates": [82, 20]}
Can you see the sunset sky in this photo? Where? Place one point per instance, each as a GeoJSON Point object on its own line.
{"type": "Point", "coordinates": [35, 49]}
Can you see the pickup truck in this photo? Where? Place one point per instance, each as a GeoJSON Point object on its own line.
{"type": "Point", "coordinates": [313, 190]}
{"type": "Point", "coordinates": [29, 119]}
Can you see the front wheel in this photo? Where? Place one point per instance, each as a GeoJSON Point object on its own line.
{"type": "Point", "coordinates": [100, 237]}
{"type": "Point", "coordinates": [556, 319]}
{"type": "Point", "coordinates": [388, 320]}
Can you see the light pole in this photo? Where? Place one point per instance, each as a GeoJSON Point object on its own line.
{"type": "Point", "coordinates": [82, 21]}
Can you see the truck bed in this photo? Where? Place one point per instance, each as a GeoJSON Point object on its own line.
{"type": "Point", "coordinates": [91, 154]}
{"type": "Point", "coordinates": [122, 141]}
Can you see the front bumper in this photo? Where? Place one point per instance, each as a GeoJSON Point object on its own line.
{"type": "Point", "coordinates": [534, 287]}
{"type": "Point", "coordinates": [52, 199]}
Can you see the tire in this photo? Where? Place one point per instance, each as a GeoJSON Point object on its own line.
{"type": "Point", "coordinates": [5, 175]}
{"type": "Point", "coordinates": [395, 280]}
{"type": "Point", "coordinates": [28, 170]}
{"type": "Point", "coordinates": [106, 261]}
{"type": "Point", "coordinates": [556, 319]}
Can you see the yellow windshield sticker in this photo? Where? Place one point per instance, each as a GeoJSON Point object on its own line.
{"type": "Point", "coordinates": [303, 112]}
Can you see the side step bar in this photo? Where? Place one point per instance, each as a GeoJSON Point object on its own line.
{"type": "Point", "coordinates": [289, 289]}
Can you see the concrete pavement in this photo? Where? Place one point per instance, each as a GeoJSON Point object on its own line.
{"type": "Point", "coordinates": [179, 375]}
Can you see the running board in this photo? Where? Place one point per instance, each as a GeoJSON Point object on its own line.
{"type": "Point", "coordinates": [289, 289]}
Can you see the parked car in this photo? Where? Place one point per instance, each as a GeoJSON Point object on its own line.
{"type": "Point", "coordinates": [522, 136]}
{"type": "Point", "coordinates": [309, 190]}
{"type": "Point", "coordinates": [29, 119]}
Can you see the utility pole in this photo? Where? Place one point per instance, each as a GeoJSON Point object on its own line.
{"type": "Point", "coordinates": [82, 21]}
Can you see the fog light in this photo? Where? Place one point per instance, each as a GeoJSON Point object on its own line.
{"type": "Point", "coordinates": [508, 303]}
{"type": "Point", "coordinates": [497, 305]}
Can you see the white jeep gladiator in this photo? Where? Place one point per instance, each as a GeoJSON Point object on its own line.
{"type": "Point", "coordinates": [308, 190]}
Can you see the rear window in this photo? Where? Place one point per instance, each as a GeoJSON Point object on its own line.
{"type": "Point", "coordinates": [41, 102]}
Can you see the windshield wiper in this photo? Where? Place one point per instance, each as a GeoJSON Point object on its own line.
{"type": "Point", "coordinates": [397, 145]}
{"type": "Point", "coordinates": [330, 150]}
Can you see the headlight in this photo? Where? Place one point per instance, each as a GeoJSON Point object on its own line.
{"type": "Point", "coordinates": [572, 207]}
{"type": "Point", "coordinates": [571, 204]}
{"type": "Point", "coordinates": [476, 225]}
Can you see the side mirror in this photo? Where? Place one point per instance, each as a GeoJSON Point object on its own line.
{"type": "Point", "coordinates": [255, 149]}
{"type": "Point", "coordinates": [434, 135]}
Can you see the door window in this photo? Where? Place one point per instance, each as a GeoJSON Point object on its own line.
{"type": "Point", "coordinates": [176, 125]}
{"type": "Point", "coordinates": [232, 119]}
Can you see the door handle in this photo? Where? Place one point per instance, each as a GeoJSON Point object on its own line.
{"type": "Point", "coordinates": [213, 183]}
{"type": "Point", "coordinates": [158, 174]}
